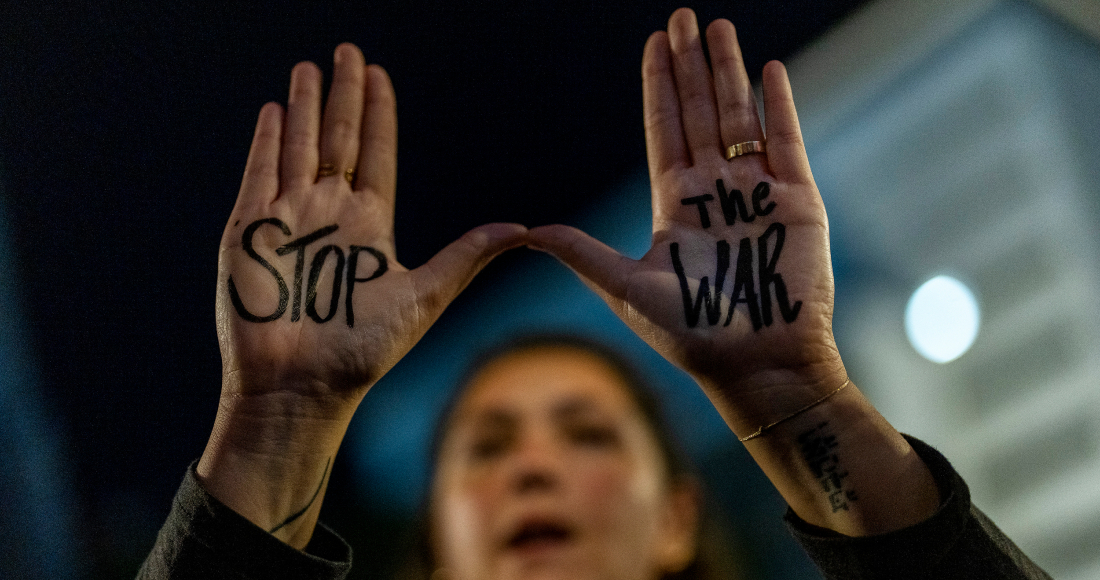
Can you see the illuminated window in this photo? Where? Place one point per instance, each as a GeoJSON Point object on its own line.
{"type": "Point", "coordinates": [941, 319]}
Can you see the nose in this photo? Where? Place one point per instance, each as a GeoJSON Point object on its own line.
{"type": "Point", "coordinates": [537, 464]}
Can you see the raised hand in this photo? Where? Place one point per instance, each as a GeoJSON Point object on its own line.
{"type": "Point", "coordinates": [312, 305]}
{"type": "Point", "coordinates": [737, 288]}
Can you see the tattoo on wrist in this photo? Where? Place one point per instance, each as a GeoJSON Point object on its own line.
{"type": "Point", "coordinates": [302, 511]}
{"type": "Point", "coordinates": [818, 448]}
{"type": "Point", "coordinates": [317, 265]}
{"type": "Point", "coordinates": [756, 294]}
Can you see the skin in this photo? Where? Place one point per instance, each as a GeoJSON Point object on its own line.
{"type": "Point", "coordinates": [552, 434]}
{"type": "Point", "coordinates": [289, 389]}
{"type": "Point", "coordinates": [693, 108]}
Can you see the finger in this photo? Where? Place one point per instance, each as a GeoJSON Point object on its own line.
{"type": "Point", "coordinates": [378, 147]}
{"type": "Point", "coordinates": [737, 113]}
{"type": "Point", "coordinates": [599, 265]}
{"type": "Point", "coordinates": [260, 185]}
{"type": "Point", "coordinates": [664, 133]}
{"type": "Point", "coordinates": [694, 86]}
{"type": "Point", "coordinates": [343, 111]}
{"type": "Point", "coordinates": [443, 277]}
{"type": "Point", "coordinates": [299, 156]}
{"type": "Point", "coordinates": [786, 151]}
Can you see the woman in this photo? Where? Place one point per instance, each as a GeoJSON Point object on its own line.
{"type": "Point", "coordinates": [737, 291]}
{"type": "Point", "coordinates": [553, 458]}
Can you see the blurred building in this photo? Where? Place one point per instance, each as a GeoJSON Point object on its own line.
{"type": "Point", "coordinates": [963, 139]}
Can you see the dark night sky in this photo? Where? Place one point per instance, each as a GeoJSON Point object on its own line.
{"type": "Point", "coordinates": [124, 129]}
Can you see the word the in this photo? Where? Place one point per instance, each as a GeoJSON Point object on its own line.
{"type": "Point", "coordinates": [817, 447]}
{"type": "Point", "coordinates": [298, 246]}
{"type": "Point", "coordinates": [733, 203]}
{"type": "Point", "coordinates": [759, 304]}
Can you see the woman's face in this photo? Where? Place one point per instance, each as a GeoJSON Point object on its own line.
{"type": "Point", "coordinates": [548, 470]}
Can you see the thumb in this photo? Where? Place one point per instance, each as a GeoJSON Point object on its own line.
{"type": "Point", "coordinates": [443, 277]}
{"type": "Point", "coordinates": [600, 266]}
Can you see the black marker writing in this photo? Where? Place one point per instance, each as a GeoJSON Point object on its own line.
{"type": "Point", "coordinates": [713, 301]}
{"type": "Point", "coordinates": [299, 245]}
{"type": "Point", "coordinates": [701, 201]}
{"type": "Point", "coordinates": [756, 295]}
{"type": "Point", "coordinates": [733, 204]}
{"type": "Point", "coordinates": [769, 277]}
{"type": "Point", "coordinates": [818, 449]}
{"type": "Point", "coordinates": [315, 274]}
{"type": "Point", "coordinates": [284, 294]}
{"type": "Point", "coordinates": [742, 282]}
{"type": "Point", "coordinates": [317, 265]}
{"type": "Point", "coordinates": [302, 511]}
{"type": "Point", "coordinates": [759, 194]}
{"type": "Point", "coordinates": [353, 262]}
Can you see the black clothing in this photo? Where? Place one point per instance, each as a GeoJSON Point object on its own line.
{"type": "Point", "coordinates": [204, 539]}
{"type": "Point", "coordinates": [959, 541]}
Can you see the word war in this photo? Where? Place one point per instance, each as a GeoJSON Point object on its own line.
{"type": "Point", "coordinates": [298, 246]}
{"type": "Point", "coordinates": [755, 294]}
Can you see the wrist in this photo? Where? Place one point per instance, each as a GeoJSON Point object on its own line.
{"type": "Point", "coordinates": [759, 400]}
{"type": "Point", "coordinates": [841, 465]}
{"type": "Point", "coordinates": [761, 429]}
{"type": "Point", "coordinates": [268, 458]}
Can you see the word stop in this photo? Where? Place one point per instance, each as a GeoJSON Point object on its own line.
{"type": "Point", "coordinates": [317, 264]}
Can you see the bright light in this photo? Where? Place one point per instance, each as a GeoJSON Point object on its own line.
{"type": "Point", "coordinates": [941, 319]}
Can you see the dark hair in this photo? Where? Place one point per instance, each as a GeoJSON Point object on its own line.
{"type": "Point", "coordinates": [714, 555]}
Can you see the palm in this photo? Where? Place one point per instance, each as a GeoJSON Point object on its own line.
{"type": "Point", "coordinates": [770, 312]}
{"type": "Point", "coordinates": [311, 297]}
{"type": "Point", "coordinates": [331, 351]}
{"type": "Point", "coordinates": [761, 318]}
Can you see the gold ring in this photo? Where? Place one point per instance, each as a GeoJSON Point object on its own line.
{"type": "Point", "coordinates": [349, 175]}
{"type": "Point", "coordinates": [744, 149]}
{"type": "Point", "coordinates": [325, 170]}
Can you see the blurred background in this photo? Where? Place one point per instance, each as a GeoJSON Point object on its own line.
{"type": "Point", "coordinates": [954, 141]}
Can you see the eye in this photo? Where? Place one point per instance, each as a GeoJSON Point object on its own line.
{"type": "Point", "coordinates": [596, 436]}
{"type": "Point", "coordinates": [488, 446]}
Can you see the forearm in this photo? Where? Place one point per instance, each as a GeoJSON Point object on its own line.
{"type": "Point", "coordinates": [839, 464]}
{"type": "Point", "coordinates": [269, 458]}
{"type": "Point", "coordinates": [958, 541]}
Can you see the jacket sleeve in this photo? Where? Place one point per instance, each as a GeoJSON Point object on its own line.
{"type": "Point", "coordinates": [959, 541]}
{"type": "Point", "coordinates": [203, 538]}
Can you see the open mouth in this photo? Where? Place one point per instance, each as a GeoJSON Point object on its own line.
{"type": "Point", "coordinates": [540, 534]}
